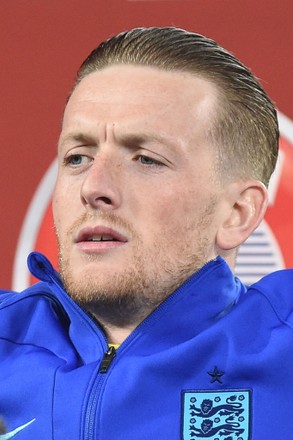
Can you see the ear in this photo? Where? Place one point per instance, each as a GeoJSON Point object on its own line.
{"type": "Point", "coordinates": [246, 206]}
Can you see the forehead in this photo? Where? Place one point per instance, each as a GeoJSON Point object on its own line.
{"type": "Point", "coordinates": [142, 95]}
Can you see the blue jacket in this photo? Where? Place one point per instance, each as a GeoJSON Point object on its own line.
{"type": "Point", "coordinates": [214, 361]}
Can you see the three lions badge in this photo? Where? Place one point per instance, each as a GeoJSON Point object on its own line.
{"type": "Point", "coordinates": [216, 415]}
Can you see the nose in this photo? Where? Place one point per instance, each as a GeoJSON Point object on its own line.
{"type": "Point", "coordinates": [101, 187]}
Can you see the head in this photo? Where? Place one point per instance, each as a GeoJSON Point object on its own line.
{"type": "Point", "coordinates": [167, 146]}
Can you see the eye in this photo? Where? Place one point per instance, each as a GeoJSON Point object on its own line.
{"type": "Point", "coordinates": [76, 160]}
{"type": "Point", "coordinates": [146, 160]}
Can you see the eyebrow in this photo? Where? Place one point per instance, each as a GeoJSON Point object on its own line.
{"type": "Point", "coordinates": [77, 138]}
{"type": "Point", "coordinates": [136, 139]}
{"type": "Point", "coordinates": [132, 139]}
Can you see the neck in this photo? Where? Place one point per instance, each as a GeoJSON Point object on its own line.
{"type": "Point", "coordinates": [117, 335]}
{"type": "Point", "coordinates": [117, 320]}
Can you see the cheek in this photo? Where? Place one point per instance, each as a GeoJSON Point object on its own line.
{"type": "Point", "coordinates": [62, 206]}
{"type": "Point", "coordinates": [180, 203]}
{"type": "Point", "coordinates": [57, 212]}
{"type": "Point", "coordinates": [169, 210]}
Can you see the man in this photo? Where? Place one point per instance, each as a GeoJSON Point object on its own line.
{"type": "Point", "coordinates": [166, 150]}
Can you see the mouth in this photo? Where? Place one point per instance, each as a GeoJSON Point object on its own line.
{"type": "Point", "coordinates": [99, 238]}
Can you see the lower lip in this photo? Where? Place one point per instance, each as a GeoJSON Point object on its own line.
{"type": "Point", "coordinates": [99, 246]}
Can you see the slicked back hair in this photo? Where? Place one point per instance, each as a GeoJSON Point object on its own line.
{"type": "Point", "coordinates": [244, 126]}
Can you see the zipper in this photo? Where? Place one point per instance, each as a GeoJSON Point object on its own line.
{"type": "Point", "coordinates": [107, 360]}
{"type": "Point", "coordinates": [91, 408]}
{"type": "Point", "coordinates": [96, 394]}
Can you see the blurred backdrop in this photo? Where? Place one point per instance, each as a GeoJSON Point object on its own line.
{"type": "Point", "coordinates": [42, 44]}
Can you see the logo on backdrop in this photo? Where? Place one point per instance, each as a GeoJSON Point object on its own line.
{"type": "Point", "coordinates": [269, 248]}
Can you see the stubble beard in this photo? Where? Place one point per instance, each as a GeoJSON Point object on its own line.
{"type": "Point", "coordinates": [128, 297]}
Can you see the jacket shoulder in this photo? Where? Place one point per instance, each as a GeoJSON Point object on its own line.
{"type": "Point", "coordinates": [10, 296]}
{"type": "Point", "coordinates": [6, 294]}
{"type": "Point", "coordinates": [277, 288]}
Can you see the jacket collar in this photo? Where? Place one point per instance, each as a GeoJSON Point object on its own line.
{"type": "Point", "coordinates": [202, 300]}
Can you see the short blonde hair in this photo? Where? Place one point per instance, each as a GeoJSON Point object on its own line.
{"type": "Point", "coordinates": [245, 127]}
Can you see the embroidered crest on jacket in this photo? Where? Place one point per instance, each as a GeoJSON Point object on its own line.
{"type": "Point", "coordinates": [216, 415]}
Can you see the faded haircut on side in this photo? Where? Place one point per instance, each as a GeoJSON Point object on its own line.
{"type": "Point", "coordinates": [244, 128]}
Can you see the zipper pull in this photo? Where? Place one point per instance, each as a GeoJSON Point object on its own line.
{"type": "Point", "coordinates": [107, 360]}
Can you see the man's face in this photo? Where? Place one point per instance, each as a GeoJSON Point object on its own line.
{"type": "Point", "coordinates": [137, 204]}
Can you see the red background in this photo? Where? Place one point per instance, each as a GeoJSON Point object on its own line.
{"type": "Point", "coordinates": [44, 41]}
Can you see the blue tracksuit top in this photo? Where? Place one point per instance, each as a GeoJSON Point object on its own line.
{"type": "Point", "coordinates": [213, 361]}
